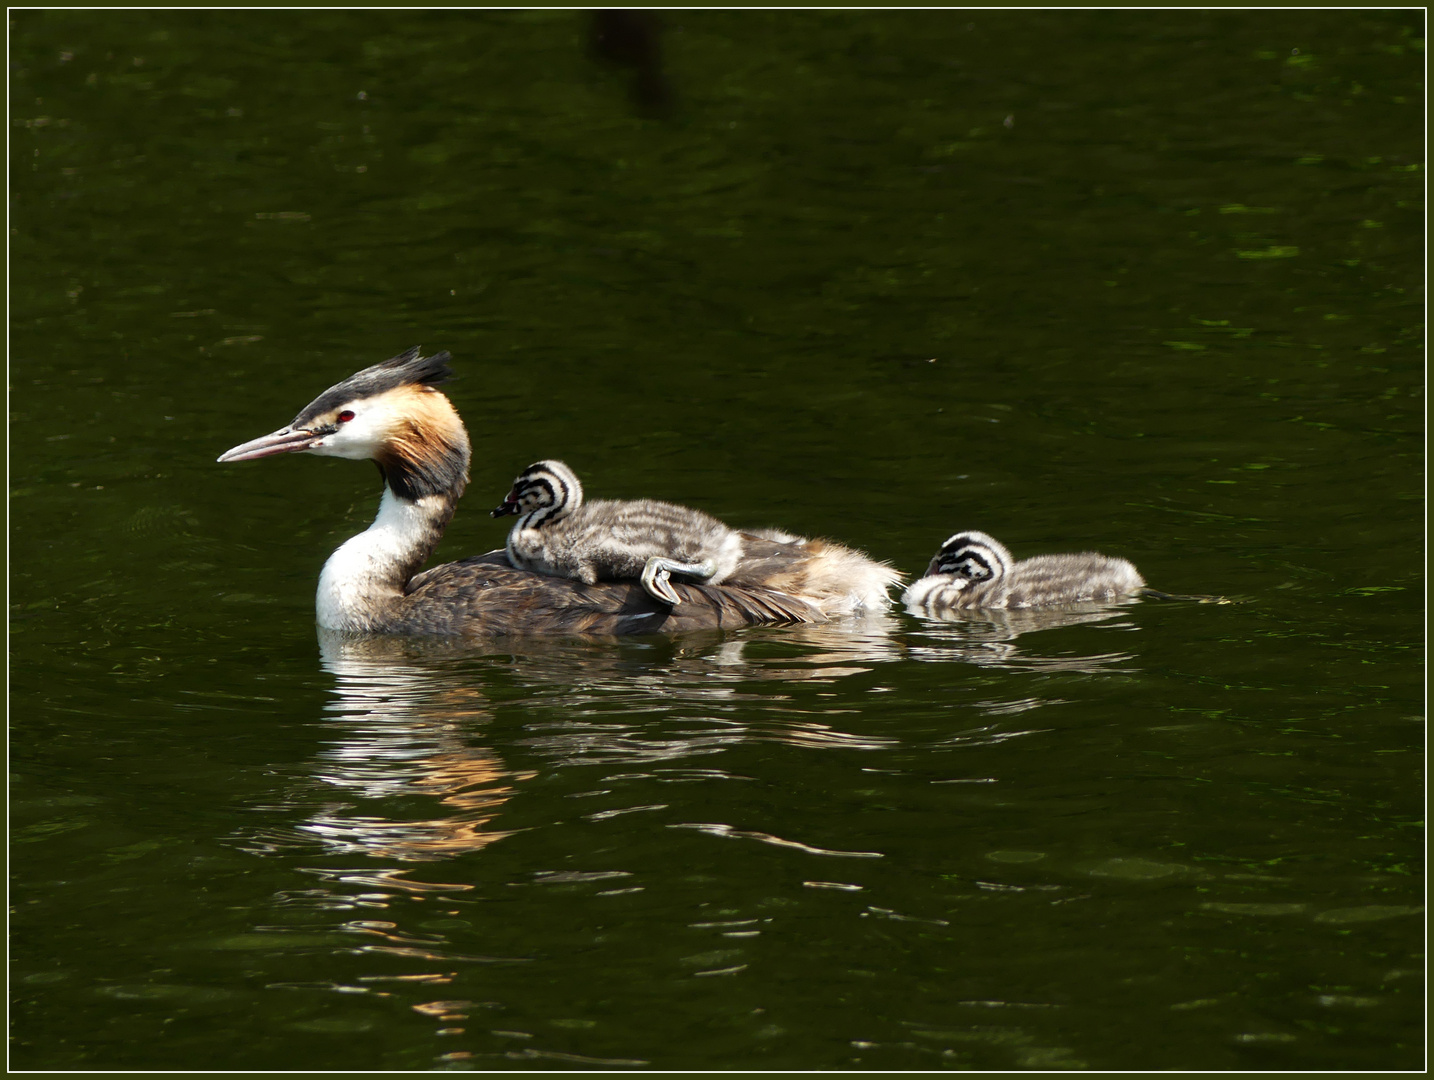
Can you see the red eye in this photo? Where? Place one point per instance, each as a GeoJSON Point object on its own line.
{"type": "Point", "coordinates": [346, 416]}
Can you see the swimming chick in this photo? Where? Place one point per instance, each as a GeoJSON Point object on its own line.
{"type": "Point", "coordinates": [973, 570]}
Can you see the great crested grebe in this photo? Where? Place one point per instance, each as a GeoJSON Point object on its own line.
{"type": "Point", "coordinates": [393, 414]}
{"type": "Point", "coordinates": [609, 540]}
{"type": "Point", "coordinates": [975, 571]}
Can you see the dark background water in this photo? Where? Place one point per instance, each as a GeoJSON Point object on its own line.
{"type": "Point", "coordinates": [1146, 282]}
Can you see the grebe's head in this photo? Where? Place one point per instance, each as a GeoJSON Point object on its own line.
{"type": "Point", "coordinates": [391, 413]}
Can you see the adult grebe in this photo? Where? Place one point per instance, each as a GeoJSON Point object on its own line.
{"type": "Point", "coordinates": [393, 414]}
{"type": "Point", "coordinates": [608, 539]}
{"type": "Point", "coordinates": [973, 570]}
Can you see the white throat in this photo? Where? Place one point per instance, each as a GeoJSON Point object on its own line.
{"type": "Point", "coordinates": [368, 571]}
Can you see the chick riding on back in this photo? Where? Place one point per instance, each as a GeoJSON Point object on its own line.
{"type": "Point", "coordinates": [559, 533]}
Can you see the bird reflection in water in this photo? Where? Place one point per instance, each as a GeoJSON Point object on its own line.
{"type": "Point", "coordinates": [631, 701]}
{"type": "Point", "coordinates": [399, 729]}
{"type": "Point", "coordinates": [406, 712]}
{"type": "Point", "coordinates": [405, 732]}
{"type": "Point", "coordinates": [987, 637]}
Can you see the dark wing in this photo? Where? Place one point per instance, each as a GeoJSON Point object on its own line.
{"type": "Point", "coordinates": [485, 595]}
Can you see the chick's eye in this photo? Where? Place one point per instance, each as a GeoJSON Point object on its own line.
{"type": "Point", "coordinates": [346, 416]}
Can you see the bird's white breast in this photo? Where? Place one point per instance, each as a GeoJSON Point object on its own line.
{"type": "Point", "coordinates": [374, 564]}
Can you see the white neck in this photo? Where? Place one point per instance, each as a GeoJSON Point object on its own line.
{"type": "Point", "coordinates": [366, 575]}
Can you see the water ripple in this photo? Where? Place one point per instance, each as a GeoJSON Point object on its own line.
{"type": "Point", "coordinates": [767, 838]}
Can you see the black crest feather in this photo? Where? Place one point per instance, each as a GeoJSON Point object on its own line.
{"type": "Point", "coordinates": [406, 369]}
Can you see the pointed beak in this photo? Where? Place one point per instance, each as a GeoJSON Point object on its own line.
{"type": "Point", "coordinates": [283, 441]}
{"type": "Point", "coordinates": [506, 507]}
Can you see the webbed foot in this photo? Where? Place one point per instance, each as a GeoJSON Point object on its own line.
{"type": "Point", "coordinates": [657, 573]}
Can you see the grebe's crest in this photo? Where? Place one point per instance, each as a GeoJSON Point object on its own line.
{"type": "Point", "coordinates": [405, 369]}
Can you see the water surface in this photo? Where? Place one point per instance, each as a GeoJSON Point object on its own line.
{"type": "Point", "coordinates": [1143, 282]}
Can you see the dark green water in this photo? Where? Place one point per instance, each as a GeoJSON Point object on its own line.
{"type": "Point", "coordinates": [1146, 282]}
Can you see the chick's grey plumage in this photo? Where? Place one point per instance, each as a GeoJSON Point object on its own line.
{"type": "Point", "coordinates": [973, 570]}
{"type": "Point", "coordinates": [561, 533]}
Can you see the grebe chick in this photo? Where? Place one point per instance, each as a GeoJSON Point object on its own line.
{"type": "Point", "coordinates": [973, 570]}
{"type": "Point", "coordinates": [609, 540]}
{"type": "Point", "coordinates": [394, 415]}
